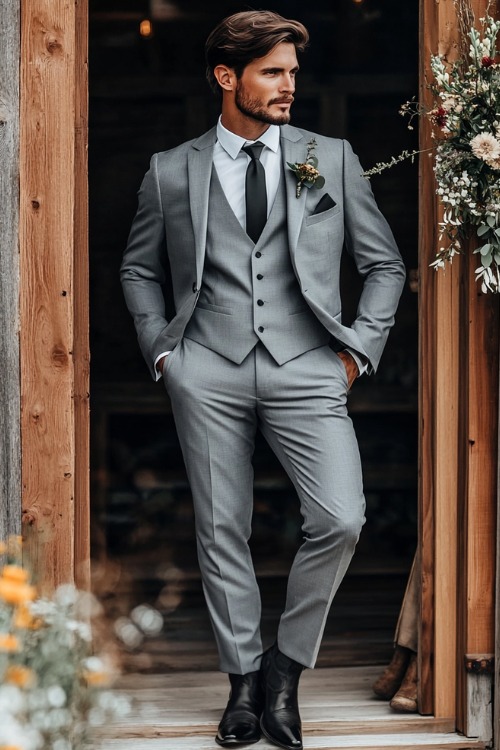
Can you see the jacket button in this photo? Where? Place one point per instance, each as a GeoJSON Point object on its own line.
{"type": "Point", "coordinates": [195, 288]}
{"type": "Point", "coordinates": [259, 276]}
{"type": "Point", "coordinates": [260, 329]}
{"type": "Point", "coordinates": [258, 254]}
{"type": "Point", "coordinates": [260, 302]}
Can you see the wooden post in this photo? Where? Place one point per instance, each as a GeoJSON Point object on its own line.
{"type": "Point", "coordinates": [438, 409]}
{"type": "Point", "coordinates": [459, 337]}
{"type": "Point", "coordinates": [53, 303]}
{"type": "Point", "coordinates": [10, 451]}
{"type": "Point", "coordinates": [478, 490]}
{"type": "Point", "coordinates": [480, 331]}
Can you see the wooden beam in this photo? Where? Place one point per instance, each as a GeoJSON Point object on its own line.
{"type": "Point", "coordinates": [10, 449]}
{"type": "Point", "coordinates": [438, 397]}
{"type": "Point", "coordinates": [53, 255]}
{"type": "Point", "coordinates": [480, 331]}
{"type": "Point", "coordinates": [81, 354]}
{"type": "Point", "coordinates": [478, 491]}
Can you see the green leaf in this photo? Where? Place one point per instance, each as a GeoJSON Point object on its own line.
{"type": "Point", "coordinates": [486, 260]}
{"type": "Point", "coordinates": [491, 221]}
{"type": "Point", "coordinates": [486, 249]}
{"type": "Point", "coordinates": [313, 161]}
{"type": "Point", "coordinates": [482, 230]}
{"type": "Point", "coordinates": [320, 182]}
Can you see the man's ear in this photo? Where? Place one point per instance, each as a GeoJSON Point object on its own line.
{"type": "Point", "coordinates": [225, 77]}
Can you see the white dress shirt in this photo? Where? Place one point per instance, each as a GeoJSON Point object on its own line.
{"type": "Point", "coordinates": [231, 165]}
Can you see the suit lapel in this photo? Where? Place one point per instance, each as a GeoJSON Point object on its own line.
{"type": "Point", "coordinates": [200, 162]}
{"type": "Point", "coordinates": [294, 148]}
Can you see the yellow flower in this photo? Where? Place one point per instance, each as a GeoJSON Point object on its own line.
{"type": "Point", "coordinates": [96, 679]}
{"type": "Point", "coordinates": [24, 619]}
{"type": "Point", "coordinates": [14, 588]}
{"type": "Point", "coordinates": [21, 676]}
{"type": "Point", "coordinates": [9, 642]}
{"type": "Point", "coordinates": [15, 573]}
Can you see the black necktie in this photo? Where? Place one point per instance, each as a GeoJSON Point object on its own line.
{"type": "Point", "coordinates": [255, 192]}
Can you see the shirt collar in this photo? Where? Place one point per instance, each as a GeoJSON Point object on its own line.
{"type": "Point", "coordinates": [232, 143]}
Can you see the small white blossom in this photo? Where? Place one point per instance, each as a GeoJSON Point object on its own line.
{"type": "Point", "coordinates": [56, 696]}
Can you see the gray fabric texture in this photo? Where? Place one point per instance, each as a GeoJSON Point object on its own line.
{"type": "Point", "coordinates": [301, 409]}
{"type": "Point", "coordinates": [170, 231]}
{"type": "Point", "coordinates": [228, 316]}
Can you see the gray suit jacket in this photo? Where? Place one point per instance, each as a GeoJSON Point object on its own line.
{"type": "Point", "coordinates": [169, 231]}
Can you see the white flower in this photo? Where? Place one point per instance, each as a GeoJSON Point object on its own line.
{"type": "Point", "coordinates": [485, 146]}
{"type": "Point", "coordinates": [66, 595]}
{"type": "Point", "coordinates": [56, 696]}
{"type": "Point", "coordinates": [12, 700]}
{"type": "Point", "coordinates": [25, 738]}
{"type": "Point", "coordinates": [94, 664]}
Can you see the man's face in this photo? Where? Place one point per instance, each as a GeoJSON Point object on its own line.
{"type": "Point", "coordinates": [265, 90]}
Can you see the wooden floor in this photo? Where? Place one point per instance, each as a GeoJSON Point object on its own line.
{"type": "Point", "coordinates": [180, 711]}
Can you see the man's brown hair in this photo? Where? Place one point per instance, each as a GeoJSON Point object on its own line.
{"type": "Point", "coordinates": [243, 37]}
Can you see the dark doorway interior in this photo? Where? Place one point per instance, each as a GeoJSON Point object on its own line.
{"type": "Point", "coordinates": [148, 94]}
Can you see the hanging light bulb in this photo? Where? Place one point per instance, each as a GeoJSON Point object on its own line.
{"type": "Point", "coordinates": [146, 28]}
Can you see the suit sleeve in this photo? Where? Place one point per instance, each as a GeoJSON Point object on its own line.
{"type": "Point", "coordinates": [142, 273]}
{"type": "Point", "coordinates": [368, 238]}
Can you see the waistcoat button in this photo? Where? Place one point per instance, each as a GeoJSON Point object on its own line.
{"type": "Point", "coordinates": [260, 329]}
{"type": "Point", "coordinates": [258, 254]}
{"type": "Point", "coordinates": [260, 302]}
{"type": "Point", "coordinates": [260, 276]}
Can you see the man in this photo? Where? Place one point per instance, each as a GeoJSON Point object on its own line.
{"type": "Point", "coordinates": [253, 254]}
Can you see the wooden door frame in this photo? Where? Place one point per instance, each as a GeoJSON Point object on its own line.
{"type": "Point", "coordinates": [53, 244]}
{"type": "Point", "coordinates": [456, 499]}
{"type": "Point", "coordinates": [458, 423]}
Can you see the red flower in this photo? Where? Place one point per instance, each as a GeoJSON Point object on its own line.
{"type": "Point", "coordinates": [439, 116]}
{"type": "Point", "coordinates": [487, 62]}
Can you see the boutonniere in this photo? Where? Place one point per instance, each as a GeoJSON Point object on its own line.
{"type": "Point", "coordinates": [307, 172]}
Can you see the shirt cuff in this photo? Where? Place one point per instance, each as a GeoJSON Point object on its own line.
{"type": "Point", "coordinates": [362, 365]}
{"type": "Point", "coordinates": [158, 373]}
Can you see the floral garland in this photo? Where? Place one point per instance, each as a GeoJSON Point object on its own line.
{"type": "Point", "coordinates": [466, 135]}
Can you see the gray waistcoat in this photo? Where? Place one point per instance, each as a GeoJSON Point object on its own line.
{"type": "Point", "coordinates": [250, 292]}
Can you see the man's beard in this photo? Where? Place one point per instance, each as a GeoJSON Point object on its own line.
{"type": "Point", "coordinates": [254, 108]}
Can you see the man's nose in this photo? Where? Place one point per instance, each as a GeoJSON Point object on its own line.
{"type": "Point", "coordinates": [288, 84]}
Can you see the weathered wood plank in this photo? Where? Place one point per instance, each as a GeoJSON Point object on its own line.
{"type": "Point", "coordinates": [81, 354]}
{"type": "Point", "coordinates": [480, 328]}
{"type": "Point", "coordinates": [360, 742]}
{"type": "Point", "coordinates": [479, 398]}
{"type": "Point", "coordinates": [438, 390]}
{"type": "Point", "coordinates": [333, 701]}
{"type": "Point", "coordinates": [52, 234]}
{"type": "Point", "coordinates": [10, 448]}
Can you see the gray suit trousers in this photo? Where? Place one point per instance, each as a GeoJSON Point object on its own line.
{"type": "Point", "coordinates": [300, 407]}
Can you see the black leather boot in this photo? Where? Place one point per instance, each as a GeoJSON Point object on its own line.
{"type": "Point", "coordinates": [240, 722]}
{"type": "Point", "coordinates": [280, 719]}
